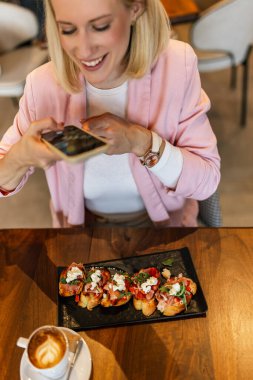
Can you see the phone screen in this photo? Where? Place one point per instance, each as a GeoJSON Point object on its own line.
{"type": "Point", "coordinates": [73, 141]}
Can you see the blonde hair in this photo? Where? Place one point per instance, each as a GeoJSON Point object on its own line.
{"type": "Point", "coordinates": [149, 37]}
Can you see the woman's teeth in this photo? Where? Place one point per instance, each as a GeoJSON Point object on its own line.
{"type": "Point", "coordinates": [92, 63]}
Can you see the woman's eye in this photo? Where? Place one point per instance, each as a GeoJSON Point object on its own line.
{"type": "Point", "coordinates": [69, 31]}
{"type": "Point", "coordinates": [101, 28]}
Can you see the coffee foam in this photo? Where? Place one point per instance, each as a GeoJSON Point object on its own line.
{"type": "Point", "coordinates": [46, 349]}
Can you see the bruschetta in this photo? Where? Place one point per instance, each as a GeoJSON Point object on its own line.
{"type": "Point", "coordinates": [144, 285]}
{"type": "Point", "coordinates": [116, 291]}
{"type": "Point", "coordinates": [174, 296]}
{"type": "Point", "coordinates": [72, 280]}
{"type": "Point", "coordinates": [92, 292]}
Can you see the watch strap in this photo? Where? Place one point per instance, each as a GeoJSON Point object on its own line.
{"type": "Point", "coordinates": [152, 156]}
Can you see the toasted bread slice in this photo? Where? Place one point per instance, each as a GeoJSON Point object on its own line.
{"type": "Point", "coordinates": [171, 310]}
{"type": "Point", "coordinates": [116, 291]}
{"type": "Point", "coordinates": [90, 301]}
{"type": "Point", "coordinates": [92, 292]}
{"type": "Point", "coordinates": [143, 287]}
{"type": "Point", "coordinates": [107, 302]}
{"type": "Point", "coordinates": [147, 307]}
{"type": "Point", "coordinates": [174, 296]}
{"type": "Point", "coordinates": [68, 287]}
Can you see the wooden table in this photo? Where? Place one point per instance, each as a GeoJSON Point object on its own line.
{"type": "Point", "coordinates": [180, 11]}
{"type": "Point", "coordinates": [218, 346]}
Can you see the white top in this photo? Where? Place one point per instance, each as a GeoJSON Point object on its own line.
{"type": "Point", "coordinates": [109, 186]}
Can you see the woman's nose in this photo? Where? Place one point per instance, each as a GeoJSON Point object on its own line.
{"type": "Point", "coordinates": [85, 46]}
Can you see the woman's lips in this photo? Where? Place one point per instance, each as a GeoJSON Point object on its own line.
{"type": "Point", "coordinates": [93, 64]}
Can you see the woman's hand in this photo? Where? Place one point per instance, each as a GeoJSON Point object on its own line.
{"type": "Point", "coordinates": [28, 151]}
{"type": "Point", "coordinates": [122, 136]}
{"type": "Point", "coordinates": [30, 148]}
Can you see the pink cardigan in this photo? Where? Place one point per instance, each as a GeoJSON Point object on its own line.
{"type": "Point", "coordinates": [169, 100]}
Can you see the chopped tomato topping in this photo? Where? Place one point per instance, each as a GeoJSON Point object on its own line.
{"type": "Point", "coordinates": [127, 283]}
{"type": "Point", "coordinates": [153, 272]}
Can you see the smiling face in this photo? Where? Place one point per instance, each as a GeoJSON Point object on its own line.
{"type": "Point", "coordinates": [96, 35]}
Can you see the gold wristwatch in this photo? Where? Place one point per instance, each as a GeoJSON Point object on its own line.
{"type": "Point", "coordinates": [152, 156]}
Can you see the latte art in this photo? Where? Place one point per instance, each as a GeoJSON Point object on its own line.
{"type": "Point", "coordinates": [48, 353]}
{"type": "Point", "coordinates": [46, 348]}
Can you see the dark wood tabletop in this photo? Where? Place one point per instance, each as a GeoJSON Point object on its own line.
{"type": "Point", "coordinates": [180, 11]}
{"type": "Point", "coordinates": [216, 346]}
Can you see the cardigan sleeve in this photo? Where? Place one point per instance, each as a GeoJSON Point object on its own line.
{"type": "Point", "coordinates": [200, 174]}
{"type": "Point", "coordinates": [14, 133]}
{"type": "Point", "coordinates": [169, 167]}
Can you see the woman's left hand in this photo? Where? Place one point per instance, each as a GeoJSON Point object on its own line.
{"type": "Point", "coordinates": [122, 136]}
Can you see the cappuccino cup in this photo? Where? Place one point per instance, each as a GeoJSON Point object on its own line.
{"type": "Point", "coordinates": [47, 351]}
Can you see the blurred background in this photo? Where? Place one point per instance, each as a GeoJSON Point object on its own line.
{"type": "Point", "coordinates": [30, 207]}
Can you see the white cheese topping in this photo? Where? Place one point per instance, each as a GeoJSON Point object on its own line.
{"type": "Point", "coordinates": [95, 277]}
{"type": "Point", "coordinates": [175, 289]}
{"type": "Point", "coordinates": [120, 282]}
{"type": "Point", "coordinates": [146, 286]}
{"type": "Point", "coordinates": [73, 273]}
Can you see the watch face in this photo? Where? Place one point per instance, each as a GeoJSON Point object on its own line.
{"type": "Point", "coordinates": [151, 159]}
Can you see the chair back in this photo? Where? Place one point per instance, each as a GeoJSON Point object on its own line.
{"type": "Point", "coordinates": [227, 27]}
{"type": "Point", "coordinates": [17, 26]}
{"type": "Point", "coordinates": [210, 211]}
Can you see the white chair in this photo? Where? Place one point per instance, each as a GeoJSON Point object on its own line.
{"type": "Point", "coordinates": [222, 38]}
{"type": "Point", "coordinates": [19, 28]}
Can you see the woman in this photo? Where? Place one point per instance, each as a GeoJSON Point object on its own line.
{"type": "Point", "coordinates": [113, 65]}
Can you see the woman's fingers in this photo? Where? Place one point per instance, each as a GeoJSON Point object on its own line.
{"type": "Point", "coordinates": [122, 136]}
{"type": "Point", "coordinates": [98, 126]}
{"type": "Point", "coordinates": [32, 150]}
{"type": "Point", "coordinates": [114, 129]}
{"type": "Point", "coordinates": [105, 125]}
{"type": "Point", "coordinates": [43, 125]}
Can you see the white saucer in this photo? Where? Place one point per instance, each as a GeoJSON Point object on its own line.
{"type": "Point", "coordinates": [81, 370]}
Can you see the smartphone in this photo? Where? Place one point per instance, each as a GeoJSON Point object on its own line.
{"type": "Point", "coordinates": [73, 144]}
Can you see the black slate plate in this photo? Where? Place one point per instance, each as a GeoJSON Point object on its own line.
{"type": "Point", "coordinates": [74, 317]}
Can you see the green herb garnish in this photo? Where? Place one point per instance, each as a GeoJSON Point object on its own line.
{"type": "Point", "coordinates": [88, 279]}
{"type": "Point", "coordinates": [74, 282]}
{"type": "Point", "coordinates": [123, 294]}
{"type": "Point", "coordinates": [181, 291]}
{"type": "Point", "coordinates": [64, 281]}
{"type": "Point", "coordinates": [141, 277]}
{"type": "Point", "coordinates": [180, 294]}
{"type": "Point", "coordinates": [164, 289]}
{"type": "Point", "coordinates": [90, 273]}
{"type": "Point", "coordinates": [168, 262]}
